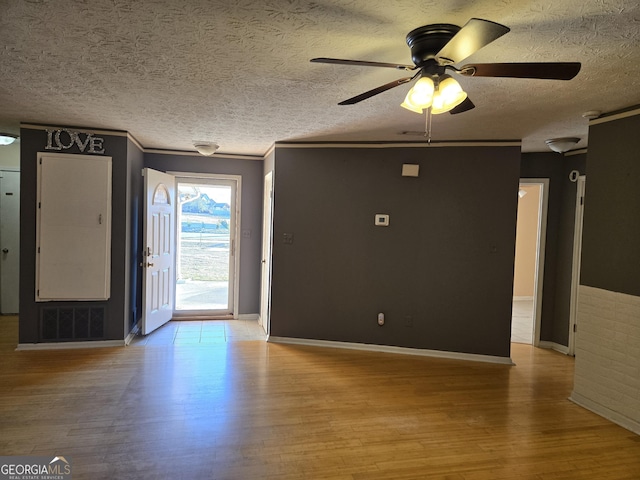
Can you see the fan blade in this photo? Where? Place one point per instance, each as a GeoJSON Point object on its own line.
{"type": "Point", "coordinates": [362, 63]}
{"type": "Point", "coordinates": [542, 70]}
{"type": "Point", "coordinates": [463, 107]}
{"type": "Point", "coordinates": [375, 91]}
{"type": "Point", "coordinates": [474, 35]}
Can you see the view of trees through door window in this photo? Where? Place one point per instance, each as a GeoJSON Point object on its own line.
{"type": "Point", "coordinates": [204, 241]}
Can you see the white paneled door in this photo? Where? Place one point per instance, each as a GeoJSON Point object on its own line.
{"type": "Point", "coordinates": [158, 258]}
{"type": "Point", "coordinates": [9, 240]}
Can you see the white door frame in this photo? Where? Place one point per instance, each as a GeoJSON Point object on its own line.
{"type": "Point", "coordinates": [576, 262]}
{"type": "Point", "coordinates": [235, 233]}
{"type": "Point", "coordinates": [267, 218]}
{"type": "Point", "coordinates": [540, 252]}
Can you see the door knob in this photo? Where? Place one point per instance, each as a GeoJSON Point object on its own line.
{"type": "Point", "coordinates": [5, 250]}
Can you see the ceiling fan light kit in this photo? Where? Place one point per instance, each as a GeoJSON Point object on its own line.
{"type": "Point", "coordinates": [205, 148]}
{"type": "Point", "coordinates": [441, 94]}
{"type": "Point", "coordinates": [7, 138]}
{"type": "Point", "coordinates": [562, 145]}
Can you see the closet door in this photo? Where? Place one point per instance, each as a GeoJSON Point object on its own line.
{"type": "Point", "coordinates": [73, 227]}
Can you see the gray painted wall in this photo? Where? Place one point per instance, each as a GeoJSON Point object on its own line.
{"type": "Point", "coordinates": [446, 260]}
{"type": "Point", "coordinates": [135, 202]}
{"type": "Point", "coordinates": [611, 237]}
{"type": "Point", "coordinates": [32, 142]}
{"type": "Point", "coordinates": [252, 184]}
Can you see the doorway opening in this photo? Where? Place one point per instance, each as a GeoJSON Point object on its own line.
{"type": "Point", "coordinates": [529, 261]}
{"type": "Point", "coordinates": [206, 256]}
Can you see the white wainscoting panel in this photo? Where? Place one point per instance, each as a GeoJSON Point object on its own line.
{"type": "Point", "coordinates": [607, 371]}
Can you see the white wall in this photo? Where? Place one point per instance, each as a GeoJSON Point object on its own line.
{"type": "Point", "coordinates": [607, 371]}
{"type": "Point", "coordinates": [526, 242]}
{"type": "Point", "coordinates": [10, 155]}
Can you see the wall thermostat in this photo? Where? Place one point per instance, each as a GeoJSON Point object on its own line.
{"type": "Point", "coordinates": [382, 220]}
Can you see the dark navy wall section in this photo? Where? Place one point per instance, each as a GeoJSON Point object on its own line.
{"type": "Point", "coordinates": [33, 141]}
{"type": "Point", "coordinates": [442, 272]}
{"type": "Point", "coordinates": [136, 202]}
{"type": "Point", "coordinates": [611, 240]}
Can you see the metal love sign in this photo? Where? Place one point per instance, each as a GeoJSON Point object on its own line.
{"type": "Point", "coordinates": [64, 139]}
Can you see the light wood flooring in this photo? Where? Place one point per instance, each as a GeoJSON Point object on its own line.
{"type": "Point", "coordinates": [253, 410]}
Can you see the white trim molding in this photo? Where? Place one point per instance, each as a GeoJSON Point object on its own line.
{"type": "Point", "coordinates": [406, 144]}
{"type": "Point", "coordinates": [554, 346]}
{"type": "Point", "coordinates": [392, 349]}
{"type": "Point", "coordinates": [605, 412]}
{"type": "Point", "coordinates": [615, 116]}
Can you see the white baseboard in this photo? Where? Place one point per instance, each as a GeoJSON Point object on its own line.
{"type": "Point", "coordinates": [515, 299]}
{"type": "Point", "coordinates": [554, 346]}
{"type": "Point", "coordinates": [610, 415]}
{"type": "Point", "coordinates": [70, 345]}
{"type": "Point", "coordinates": [392, 349]}
{"type": "Point", "coordinates": [249, 316]}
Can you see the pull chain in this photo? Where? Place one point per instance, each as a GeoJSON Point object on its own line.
{"type": "Point", "coordinates": [427, 125]}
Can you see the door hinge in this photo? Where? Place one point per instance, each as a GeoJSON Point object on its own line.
{"type": "Point", "coordinates": [575, 327]}
{"type": "Point", "coordinates": [581, 200]}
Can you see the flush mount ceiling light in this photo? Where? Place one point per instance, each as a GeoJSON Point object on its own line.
{"type": "Point", "coordinates": [7, 138]}
{"type": "Point", "coordinates": [205, 148]}
{"type": "Point", "coordinates": [562, 145]}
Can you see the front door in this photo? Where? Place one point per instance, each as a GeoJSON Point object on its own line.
{"type": "Point", "coordinates": [159, 250]}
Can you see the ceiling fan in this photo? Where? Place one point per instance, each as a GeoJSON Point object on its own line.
{"type": "Point", "coordinates": [434, 51]}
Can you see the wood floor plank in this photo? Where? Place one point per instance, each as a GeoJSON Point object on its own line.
{"type": "Point", "coordinates": [253, 410]}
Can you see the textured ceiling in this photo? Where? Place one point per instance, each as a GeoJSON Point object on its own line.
{"type": "Point", "coordinates": [238, 72]}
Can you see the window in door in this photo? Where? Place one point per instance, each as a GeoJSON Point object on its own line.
{"type": "Point", "coordinates": [206, 256]}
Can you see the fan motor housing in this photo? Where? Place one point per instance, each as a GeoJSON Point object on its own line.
{"type": "Point", "coordinates": [425, 42]}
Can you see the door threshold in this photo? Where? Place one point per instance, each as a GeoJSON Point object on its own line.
{"type": "Point", "coordinates": [189, 317]}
